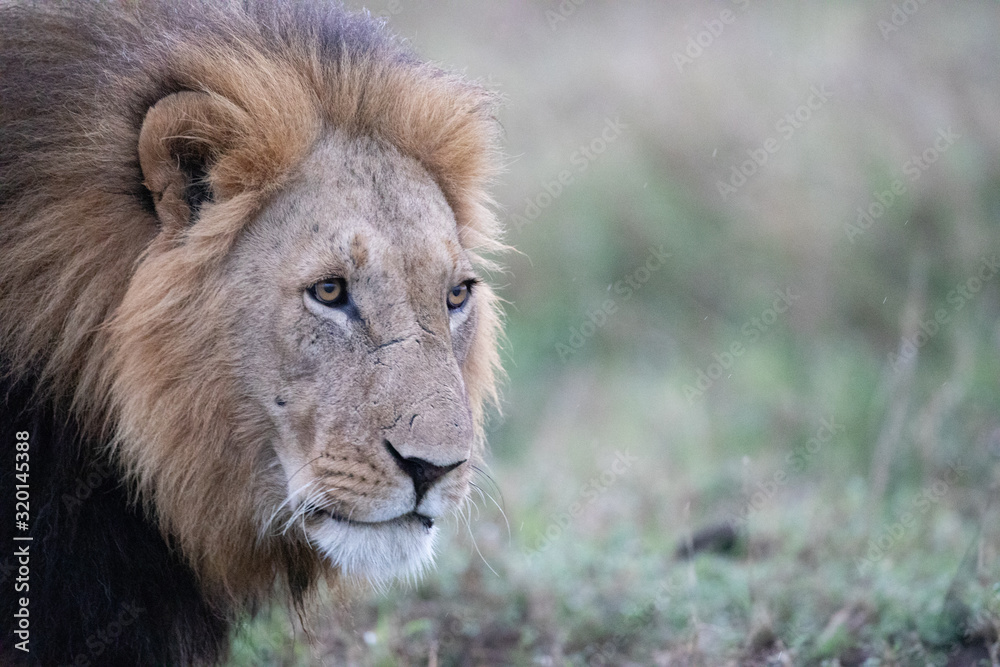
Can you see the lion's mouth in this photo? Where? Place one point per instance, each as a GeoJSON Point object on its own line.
{"type": "Point", "coordinates": [402, 519]}
{"type": "Point", "coordinates": [377, 551]}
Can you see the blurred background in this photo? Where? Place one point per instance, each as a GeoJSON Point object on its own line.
{"type": "Point", "coordinates": [752, 413]}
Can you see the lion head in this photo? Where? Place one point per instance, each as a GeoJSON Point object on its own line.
{"type": "Point", "coordinates": [353, 355]}
{"type": "Point", "coordinates": [280, 317]}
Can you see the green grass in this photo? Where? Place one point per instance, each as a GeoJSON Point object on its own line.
{"type": "Point", "coordinates": [607, 585]}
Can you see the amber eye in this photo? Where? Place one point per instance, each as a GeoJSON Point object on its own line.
{"type": "Point", "coordinates": [331, 292]}
{"type": "Point", "coordinates": [457, 296]}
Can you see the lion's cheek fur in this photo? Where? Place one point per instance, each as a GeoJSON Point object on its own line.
{"type": "Point", "coordinates": [198, 459]}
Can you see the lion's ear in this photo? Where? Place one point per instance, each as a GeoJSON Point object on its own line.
{"type": "Point", "coordinates": [182, 137]}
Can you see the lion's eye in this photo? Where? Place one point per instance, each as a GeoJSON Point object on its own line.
{"type": "Point", "coordinates": [457, 296]}
{"type": "Point", "coordinates": [332, 292]}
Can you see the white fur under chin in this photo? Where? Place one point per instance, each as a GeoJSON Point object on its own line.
{"type": "Point", "coordinates": [377, 553]}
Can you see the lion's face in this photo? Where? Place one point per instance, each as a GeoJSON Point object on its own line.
{"type": "Point", "coordinates": [356, 310]}
{"type": "Point", "coordinates": [298, 368]}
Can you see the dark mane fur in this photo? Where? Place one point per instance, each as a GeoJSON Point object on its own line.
{"type": "Point", "coordinates": [96, 560]}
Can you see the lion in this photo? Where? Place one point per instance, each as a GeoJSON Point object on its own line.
{"type": "Point", "coordinates": [246, 345]}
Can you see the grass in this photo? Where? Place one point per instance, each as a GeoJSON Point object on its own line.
{"type": "Point", "coordinates": [603, 585]}
{"type": "Point", "coordinates": [863, 490]}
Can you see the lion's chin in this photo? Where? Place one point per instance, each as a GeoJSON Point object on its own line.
{"type": "Point", "coordinates": [377, 552]}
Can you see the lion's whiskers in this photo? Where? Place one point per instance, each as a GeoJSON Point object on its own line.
{"type": "Point", "coordinates": [301, 507]}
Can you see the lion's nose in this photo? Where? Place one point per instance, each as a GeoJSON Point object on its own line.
{"type": "Point", "coordinates": [423, 473]}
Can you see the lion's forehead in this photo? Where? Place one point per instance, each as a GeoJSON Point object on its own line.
{"type": "Point", "coordinates": [358, 207]}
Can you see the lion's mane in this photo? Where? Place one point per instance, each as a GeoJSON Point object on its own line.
{"type": "Point", "coordinates": [144, 500]}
